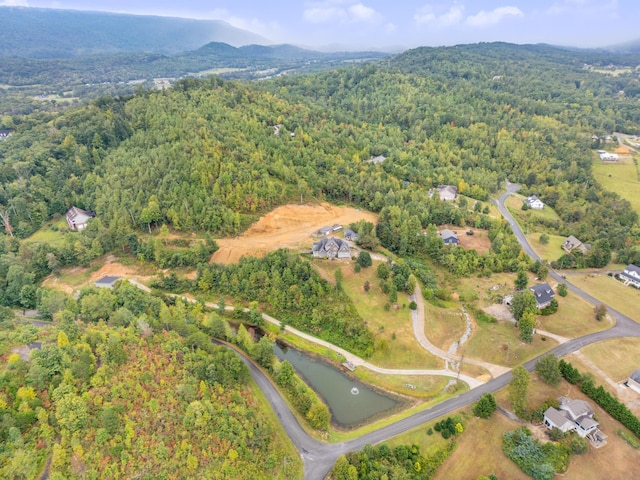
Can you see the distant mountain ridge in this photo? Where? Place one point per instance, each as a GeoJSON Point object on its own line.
{"type": "Point", "coordinates": [48, 33]}
{"type": "Point", "coordinates": [627, 47]}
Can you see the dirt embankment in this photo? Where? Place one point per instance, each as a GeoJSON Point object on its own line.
{"type": "Point", "coordinates": [289, 226]}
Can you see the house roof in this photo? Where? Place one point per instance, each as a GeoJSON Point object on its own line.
{"type": "Point", "coordinates": [587, 423]}
{"type": "Point", "coordinates": [328, 242]}
{"type": "Point", "coordinates": [446, 234]}
{"type": "Point", "coordinates": [378, 159]}
{"type": "Point", "coordinates": [543, 293]}
{"type": "Point", "coordinates": [75, 212]}
{"type": "Point", "coordinates": [349, 233]}
{"type": "Point", "coordinates": [447, 190]}
{"type": "Point", "coordinates": [576, 408]}
{"type": "Point", "coordinates": [631, 268]}
{"type": "Point", "coordinates": [635, 376]}
{"type": "Point", "coordinates": [533, 199]}
{"type": "Point", "coordinates": [107, 280]}
{"type": "Point", "coordinates": [571, 242]}
{"type": "Point", "coordinates": [556, 417]}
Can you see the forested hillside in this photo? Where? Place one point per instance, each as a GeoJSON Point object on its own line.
{"type": "Point", "coordinates": [51, 33]}
{"type": "Point", "coordinates": [206, 156]}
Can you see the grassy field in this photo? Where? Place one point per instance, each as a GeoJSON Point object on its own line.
{"type": "Point", "coordinates": [52, 233]}
{"type": "Point", "coordinates": [610, 291]}
{"type": "Point", "coordinates": [617, 357]}
{"type": "Point", "coordinates": [514, 204]}
{"type": "Point", "coordinates": [551, 251]}
{"type": "Point", "coordinates": [574, 318]}
{"type": "Point", "coordinates": [427, 387]}
{"type": "Point", "coordinates": [443, 326]}
{"type": "Point", "coordinates": [392, 327]}
{"type": "Point", "coordinates": [485, 290]}
{"type": "Point", "coordinates": [498, 343]}
{"type": "Point", "coordinates": [620, 177]}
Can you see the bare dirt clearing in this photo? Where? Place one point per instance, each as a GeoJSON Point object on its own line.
{"type": "Point", "coordinates": [289, 226]}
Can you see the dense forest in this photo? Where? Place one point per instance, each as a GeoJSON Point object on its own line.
{"type": "Point", "coordinates": [124, 383]}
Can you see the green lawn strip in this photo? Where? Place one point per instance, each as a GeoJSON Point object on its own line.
{"type": "Point", "coordinates": [551, 251]}
{"type": "Point", "coordinates": [426, 387]}
{"type": "Point", "coordinates": [574, 318]}
{"type": "Point", "coordinates": [617, 357]}
{"type": "Point", "coordinates": [499, 343]}
{"type": "Point", "coordinates": [609, 291]}
{"type": "Point", "coordinates": [620, 177]}
{"type": "Point", "coordinates": [52, 233]}
{"type": "Point", "coordinates": [514, 203]}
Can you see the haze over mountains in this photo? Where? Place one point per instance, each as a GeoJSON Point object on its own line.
{"type": "Point", "coordinates": [47, 33]}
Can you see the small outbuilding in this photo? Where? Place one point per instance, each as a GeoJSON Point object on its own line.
{"type": "Point", "coordinates": [633, 382]}
{"type": "Point", "coordinates": [107, 282]}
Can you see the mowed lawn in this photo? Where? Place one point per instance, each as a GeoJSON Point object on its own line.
{"type": "Point", "coordinates": [52, 233]}
{"type": "Point", "coordinates": [393, 328]}
{"type": "Point", "coordinates": [551, 251]}
{"type": "Point", "coordinates": [610, 291]}
{"type": "Point", "coordinates": [443, 326]}
{"type": "Point", "coordinates": [620, 177]}
{"type": "Point", "coordinates": [575, 317]}
{"type": "Point", "coordinates": [514, 203]}
{"type": "Point", "coordinates": [617, 357]}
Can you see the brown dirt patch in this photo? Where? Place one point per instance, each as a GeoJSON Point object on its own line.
{"type": "Point", "coordinates": [622, 150]}
{"type": "Point", "coordinates": [479, 241]}
{"type": "Point", "coordinates": [289, 226]}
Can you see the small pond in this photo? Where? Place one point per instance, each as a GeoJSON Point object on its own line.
{"type": "Point", "coordinates": [351, 402]}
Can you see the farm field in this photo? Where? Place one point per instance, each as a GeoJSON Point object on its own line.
{"type": "Point", "coordinates": [289, 226]}
{"type": "Point", "coordinates": [620, 177]}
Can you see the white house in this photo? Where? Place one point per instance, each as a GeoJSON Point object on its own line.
{"type": "Point", "coordinates": [77, 218]}
{"type": "Point", "coordinates": [631, 275]}
{"type": "Point", "coordinates": [609, 157]}
{"type": "Point", "coordinates": [447, 193]}
{"type": "Point", "coordinates": [573, 415]}
{"type": "Point", "coordinates": [534, 202]}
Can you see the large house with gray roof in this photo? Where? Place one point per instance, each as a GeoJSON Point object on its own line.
{"type": "Point", "coordinates": [576, 416]}
{"type": "Point", "coordinates": [331, 248]}
{"type": "Point", "coordinates": [77, 218]}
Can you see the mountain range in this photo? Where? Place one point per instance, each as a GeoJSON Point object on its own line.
{"type": "Point", "coordinates": [47, 33]}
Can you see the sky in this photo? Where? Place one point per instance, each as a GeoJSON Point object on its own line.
{"type": "Point", "coordinates": [396, 24]}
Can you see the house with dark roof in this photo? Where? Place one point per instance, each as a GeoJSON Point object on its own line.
{"type": "Point", "coordinates": [331, 248]}
{"type": "Point", "coordinates": [631, 275]}
{"type": "Point", "coordinates": [77, 218]}
{"type": "Point", "coordinates": [572, 243]}
{"type": "Point", "coordinates": [107, 282]}
{"type": "Point", "coordinates": [447, 193]}
{"type": "Point", "coordinates": [449, 237]}
{"type": "Point", "coordinates": [543, 293]}
{"type": "Point", "coordinates": [576, 416]}
{"type": "Point", "coordinates": [350, 235]}
{"type": "Point", "coordinates": [633, 382]}
{"type": "Point", "coordinates": [534, 202]}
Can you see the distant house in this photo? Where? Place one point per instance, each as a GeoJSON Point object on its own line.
{"type": "Point", "coordinates": [543, 293]}
{"type": "Point", "coordinates": [77, 218]}
{"type": "Point", "coordinates": [534, 202]}
{"type": "Point", "coordinates": [449, 237]}
{"type": "Point", "coordinates": [331, 248]}
{"type": "Point", "coordinates": [576, 416]}
{"type": "Point", "coordinates": [107, 282]}
{"type": "Point", "coordinates": [350, 234]}
{"type": "Point", "coordinates": [609, 157]}
{"type": "Point", "coordinates": [447, 193]}
{"type": "Point", "coordinates": [376, 160]}
{"type": "Point", "coordinates": [572, 243]}
{"type": "Point", "coordinates": [4, 134]}
{"type": "Point", "coordinates": [631, 275]}
{"type": "Point", "coordinates": [633, 382]}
